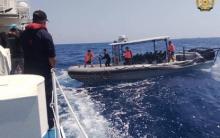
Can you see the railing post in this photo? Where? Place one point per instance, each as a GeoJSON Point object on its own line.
{"type": "Point", "coordinates": [3, 7]}
{"type": "Point", "coordinates": [184, 56]}
{"type": "Point", "coordinates": [167, 54]}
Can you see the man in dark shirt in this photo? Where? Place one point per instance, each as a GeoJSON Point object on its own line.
{"type": "Point", "coordinates": [107, 58]}
{"type": "Point", "coordinates": [39, 54]}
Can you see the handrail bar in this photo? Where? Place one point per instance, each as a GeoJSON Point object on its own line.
{"type": "Point", "coordinates": [54, 103]}
{"type": "Point", "coordinates": [67, 102]}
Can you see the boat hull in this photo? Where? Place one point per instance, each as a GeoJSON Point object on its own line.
{"type": "Point", "coordinates": [97, 74]}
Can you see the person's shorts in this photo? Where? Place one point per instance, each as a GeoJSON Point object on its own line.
{"type": "Point", "coordinates": [172, 53]}
{"type": "Point", "coordinates": [88, 62]}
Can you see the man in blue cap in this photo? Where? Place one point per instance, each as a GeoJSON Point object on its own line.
{"type": "Point", "coordinates": [39, 54]}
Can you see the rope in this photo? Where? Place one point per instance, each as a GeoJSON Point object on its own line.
{"type": "Point", "coordinates": [68, 104]}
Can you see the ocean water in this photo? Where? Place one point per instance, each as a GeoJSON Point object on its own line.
{"type": "Point", "coordinates": [184, 105]}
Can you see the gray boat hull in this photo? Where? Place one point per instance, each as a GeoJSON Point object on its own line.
{"type": "Point", "coordinates": [96, 74]}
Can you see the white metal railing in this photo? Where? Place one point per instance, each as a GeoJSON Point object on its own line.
{"type": "Point", "coordinates": [54, 104]}
{"type": "Point", "coordinates": [20, 8]}
{"type": "Point", "coordinates": [4, 4]}
{"type": "Point", "coordinates": [7, 5]}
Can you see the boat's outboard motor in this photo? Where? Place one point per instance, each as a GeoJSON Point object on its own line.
{"type": "Point", "coordinates": [206, 53]}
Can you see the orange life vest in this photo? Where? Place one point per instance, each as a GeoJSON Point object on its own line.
{"type": "Point", "coordinates": [128, 54]}
{"type": "Point", "coordinates": [171, 48]}
{"type": "Point", "coordinates": [89, 56]}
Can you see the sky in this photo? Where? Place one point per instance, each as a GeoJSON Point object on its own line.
{"type": "Point", "coordinates": [88, 21]}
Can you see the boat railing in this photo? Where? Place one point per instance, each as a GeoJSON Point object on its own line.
{"type": "Point", "coordinates": [15, 9]}
{"type": "Point", "coordinates": [3, 6]}
{"type": "Point", "coordinates": [54, 105]}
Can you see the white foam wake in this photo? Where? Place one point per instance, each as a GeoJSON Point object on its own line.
{"type": "Point", "coordinates": [95, 125]}
{"type": "Point", "coordinates": [65, 80]}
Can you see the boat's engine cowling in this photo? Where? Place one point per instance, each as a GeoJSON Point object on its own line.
{"type": "Point", "coordinates": [206, 53]}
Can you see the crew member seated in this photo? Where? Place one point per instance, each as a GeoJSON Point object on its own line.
{"type": "Point", "coordinates": [128, 56]}
{"type": "Point", "coordinates": [161, 57]}
{"type": "Point", "coordinates": [89, 56]}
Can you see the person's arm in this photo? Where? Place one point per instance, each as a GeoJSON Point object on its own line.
{"type": "Point", "coordinates": [104, 57]}
{"type": "Point", "coordinates": [52, 61]}
{"type": "Point", "coordinates": [51, 50]}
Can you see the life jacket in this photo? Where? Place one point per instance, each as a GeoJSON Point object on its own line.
{"type": "Point", "coordinates": [32, 28]}
{"type": "Point", "coordinates": [89, 56]}
{"type": "Point", "coordinates": [35, 26]}
{"type": "Point", "coordinates": [171, 48]}
{"type": "Point", "coordinates": [38, 46]}
{"type": "Point", "coordinates": [128, 54]}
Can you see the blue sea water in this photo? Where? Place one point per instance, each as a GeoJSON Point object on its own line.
{"type": "Point", "coordinates": [184, 105]}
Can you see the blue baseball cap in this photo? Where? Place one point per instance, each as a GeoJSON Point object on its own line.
{"type": "Point", "coordinates": [11, 26]}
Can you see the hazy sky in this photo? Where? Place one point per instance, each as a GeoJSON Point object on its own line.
{"type": "Point", "coordinates": [75, 21]}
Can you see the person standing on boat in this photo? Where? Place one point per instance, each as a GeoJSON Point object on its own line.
{"type": "Point", "coordinates": [171, 49]}
{"type": "Point", "coordinates": [128, 56]}
{"type": "Point", "coordinates": [89, 56]}
{"type": "Point", "coordinates": [107, 58]}
{"type": "Point", "coordinates": [39, 55]}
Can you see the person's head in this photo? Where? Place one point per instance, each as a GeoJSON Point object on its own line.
{"type": "Point", "coordinates": [13, 28]}
{"type": "Point", "coordinates": [39, 16]}
{"type": "Point", "coordinates": [126, 48]}
{"type": "Point", "coordinates": [169, 42]}
{"type": "Point", "coordinates": [89, 51]}
{"type": "Point", "coordinates": [104, 50]}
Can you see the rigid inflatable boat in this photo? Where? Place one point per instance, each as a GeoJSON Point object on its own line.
{"type": "Point", "coordinates": [151, 66]}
